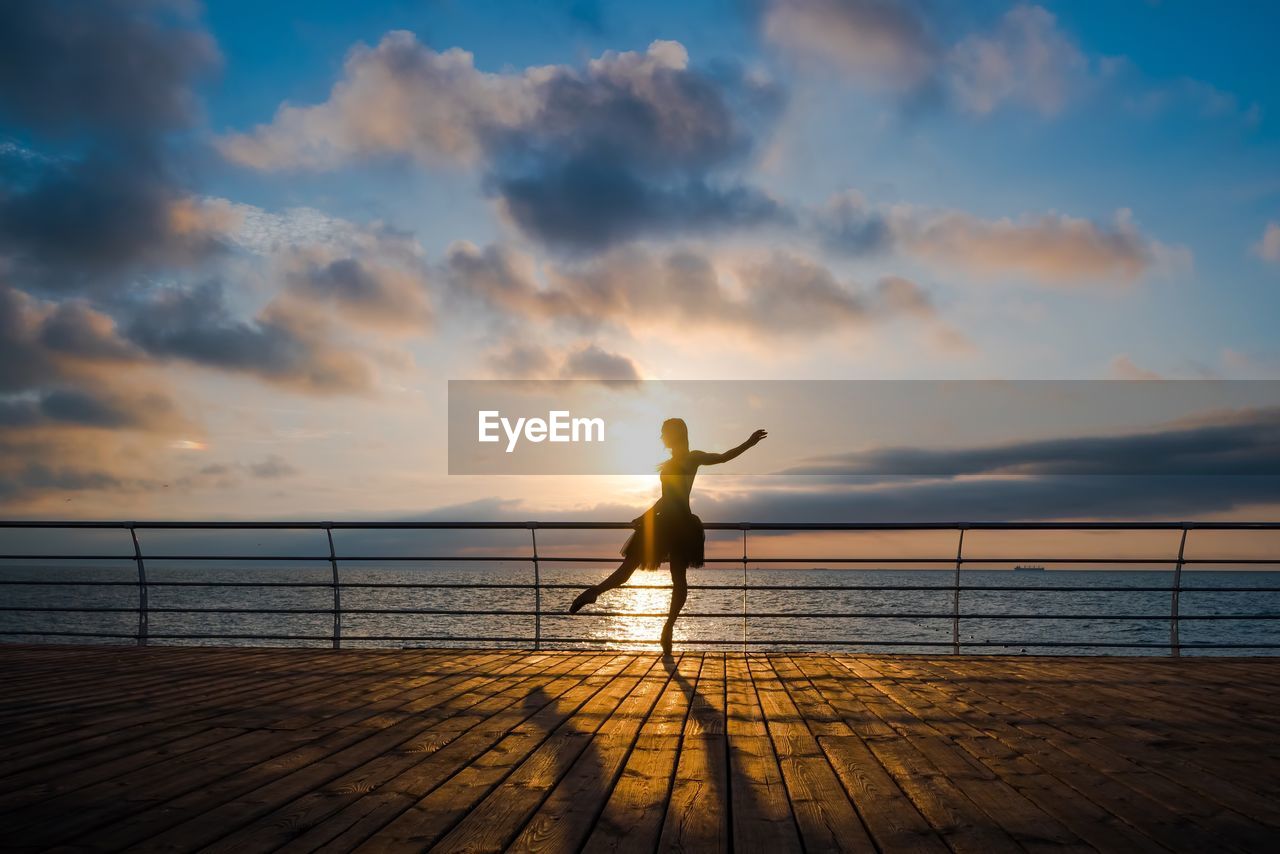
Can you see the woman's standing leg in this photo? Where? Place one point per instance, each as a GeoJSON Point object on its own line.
{"type": "Point", "coordinates": [617, 578]}
{"type": "Point", "coordinates": [679, 593]}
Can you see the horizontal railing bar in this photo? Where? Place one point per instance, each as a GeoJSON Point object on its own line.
{"type": "Point", "coordinates": [463, 585]}
{"type": "Point", "coordinates": [457, 612]}
{"type": "Point", "coordinates": [715, 526]}
{"type": "Point", "coordinates": [735, 561]}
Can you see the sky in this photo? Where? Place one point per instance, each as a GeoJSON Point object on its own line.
{"type": "Point", "coordinates": [244, 247]}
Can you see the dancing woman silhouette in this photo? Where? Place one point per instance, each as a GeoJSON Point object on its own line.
{"type": "Point", "coordinates": [668, 531]}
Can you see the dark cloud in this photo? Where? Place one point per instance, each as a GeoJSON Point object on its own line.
{"type": "Point", "coordinates": [118, 66]}
{"type": "Point", "coordinates": [521, 360]}
{"type": "Point", "coordinates": [272, 467]}
{"type": "Point", "coordinates": [78, 407]}
{"type": "Point", "coordinates": [104, 409]}
{"type": "Point", "coordinates": [1247, 443]}
{"type": "Point", "coordinates": [586, 361]}
{"type": "Point", "coordinates": [634, 144]}
{"type": "Point", "coordinates": [779, 294]}
{"type": "Point", "coordinates": [112, 79]}
{"type": "Point", "coordinates": [380, 283]}
{"type": "Point", "coordinates": [590, 203]}
{"type": "Point", "coordinates": [281, 345]}
{"type": "Point", "coordinates": [84, 224]}
{"type": "Point", "coordinates": [992, 498]}
{"type": "Point", "coordinates": [67, 362]}
{"type": "Point", "coordinates": [638, 145]}
{"type": "Point", "coordinates": [594, 363]}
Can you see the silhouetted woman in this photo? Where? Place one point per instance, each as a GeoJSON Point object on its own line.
{"type": "Point", "coordinates": [668, 531]}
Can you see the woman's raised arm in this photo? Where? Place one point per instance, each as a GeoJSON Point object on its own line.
{"type": "Point", "coordinates": [707, 458]}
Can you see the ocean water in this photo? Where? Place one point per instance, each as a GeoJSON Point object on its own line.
{"type": "Point", "coordinates": [767, 608]}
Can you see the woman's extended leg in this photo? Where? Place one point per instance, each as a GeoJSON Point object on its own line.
{"type": "Point", "coordinates": [617, 578]}
{"type": "Point", "coordinates": [679, 593]}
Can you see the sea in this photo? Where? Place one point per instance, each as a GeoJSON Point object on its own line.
{"type": "Point", "coordinates": [756, 608]}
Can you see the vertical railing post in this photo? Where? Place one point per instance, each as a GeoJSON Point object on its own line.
{"type": "Point", "coordinates": [1175, 646]}
{"type": "Point", "coordinates": [537, 588]}
{"type": "Point", "coordinates": [745, 526]}
{"type": "Point", "coordinates": [143, 629]}
{"type": "Point", "coordinates": [337, 588]}
{"type": "Point", "coordinates": [955, 597]}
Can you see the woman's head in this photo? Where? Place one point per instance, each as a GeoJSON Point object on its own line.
{"type": "Point", "coordinates": [675, 434]}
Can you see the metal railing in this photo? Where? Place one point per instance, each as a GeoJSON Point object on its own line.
{"type": "Point", "coordinates": [536, 559]}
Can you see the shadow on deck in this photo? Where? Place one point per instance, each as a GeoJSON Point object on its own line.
{"type": "Point", "coordinates": [300, 749]}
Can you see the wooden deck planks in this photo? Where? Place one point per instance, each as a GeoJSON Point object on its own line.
{"type": "Point", "coordinates": [183, 749]}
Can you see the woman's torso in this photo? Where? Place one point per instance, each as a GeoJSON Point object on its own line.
{"type": "Point", "coordinates": [676, 476]}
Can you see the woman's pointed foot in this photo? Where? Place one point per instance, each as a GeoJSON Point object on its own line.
{"type": "Point", "coordinates": [585, 598]}
{"type": "Point", "coordinates": [666, 639]}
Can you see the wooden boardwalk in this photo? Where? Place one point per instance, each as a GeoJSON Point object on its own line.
{"type": "Point", "coordinates": [482, 750]}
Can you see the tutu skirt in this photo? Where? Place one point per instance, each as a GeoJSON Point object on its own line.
{"type": "Point", "coordinates": [666, 537]}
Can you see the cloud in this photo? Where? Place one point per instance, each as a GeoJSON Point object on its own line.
{"type": "Point", "coordinates": [1123, 368]}
{"type": "Point", "coordinates": [777, 294]}
{"type": "Point", "coordinates": [284, 344]}
{"type": "Point", "coordinates": [1026, 61]}
{"type": "Point", "coordinates": [274, 466]}
{"type": "Point", "coordinates": [83, 225]}
{"type": "Point", "coordinates": [586, 203]}
{"type": "Point", "coordinates": [1268, 246]}
{"type": "Point", "coordinates": [590, 362]}
{"type": "Point", "coordinates": [879, 41]}
{"type": "Point", "coordinates": [1196, 98]}
{"type": "Point", "coordinates": [587, 361]}
{"type": "Point", "coordinates": [1238, 443]}
{"type": "Point", "coordinates": [1001, 499]}
{"type": "Point", "coordinates": [118, 66]}
{"type": "Point", "coordinates": [399, 97]}
{"type": "Point", "coordinates": [1051, 248]}
{"type": "Point", "coordinates": [41, 342]}
{"type": "Point", "coordinates": [110, 81]}
{"type": "Point", "coordinates": [633, 144]}
{"type": "Point", "coordinates": [80, 406]}
{"type": "Point", "coordinates": [374, 277]}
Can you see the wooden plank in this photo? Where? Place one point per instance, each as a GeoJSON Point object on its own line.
{"type": "Point", "coordinates": [494, 822]}
{"type": "Point", "coordinates": [184, 801]}
{"type": "Point", "coordinates": [762, 819]}
{"type": "Point", "coordinates": [971, 730]}
{"type": "Point", "coordinates": [432, 817]}
{"type": "Point", "coordinates": [72, 739]}
{"type": "Point", "coordinates": [288, 821]}
{"type": "Point", "coordinates": [824, 815]}
{"type": "Point", "coordinates": [1146, 814]}
{"type": "Point", "coordinates": [565, 819]}
{"type": "Point", "coordinates": [1021, 817]}
{"type": "Point", "coordinates": [632, 819]}
{"type": "Point", "coordinates": [697, 813]}
{"type": "Point", "coordinates": [891, 818]}
{"type": "Point", "coordinates": [363, 818]}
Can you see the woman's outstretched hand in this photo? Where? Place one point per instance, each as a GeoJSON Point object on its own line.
{"type": "Point", "coordinates": [757, 437]}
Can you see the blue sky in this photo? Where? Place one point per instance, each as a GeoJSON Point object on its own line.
{"type": "Point", "coordinates": [243, 247]}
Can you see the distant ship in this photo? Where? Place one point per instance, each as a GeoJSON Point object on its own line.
{"type": "Point", "coordinates": [1031, 568]}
